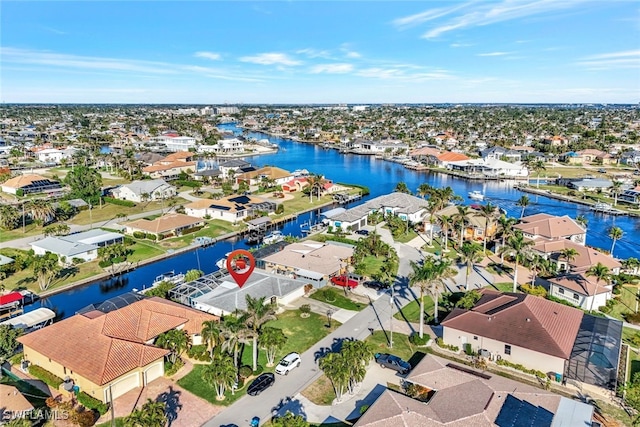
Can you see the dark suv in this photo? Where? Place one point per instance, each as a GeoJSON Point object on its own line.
{"type": "Point", "coordinates": [374, 284]}
{"type": "Point", "coordinates": [261, 383]}
{"type": "Point", "coordinates": [387, 360]}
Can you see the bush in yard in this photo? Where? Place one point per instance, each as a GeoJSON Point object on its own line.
{"type": "Point", "coordinates": [127, 203]}
{"type": "Point", "coordinates": [329, 295]}
{"type": "Point", "coordinates": [415, 339]}
{"type": "Point", "coordinates": [172, 368]}
{"type": "Point", "coordinates": [305, 309]}
{"type": "Point", "coordinates": [92, 403]}
{"type": "Point", "coordinates": [632, 318]}
{"type": "Point", "coordinates": [604, 309]}
{"type": "Point", "coordinates": [245, 371]}
{"type": "Point", "coordinates": [84, 418]}
{"type": "Point", "coordinates": [199, 352]}
{"type": "Point", "coordinates": [533, 290]}
{"type": "Point", "coordinates": [46, 376]}
{"type": "Point", "coordinates": [468, 350]}
{"type": "Point", "coordinates": [139, 234]}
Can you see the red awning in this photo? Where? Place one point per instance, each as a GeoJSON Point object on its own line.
{"type": "Point", "coordinates": [10, 297]}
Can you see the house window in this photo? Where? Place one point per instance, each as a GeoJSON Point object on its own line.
{"type": "Point", "coordinates": [507, 349]}
{"type": "Point", "coordinates": [561, 291]}
{"type": "Point", "coordinates": [576, 296]}
{"type": "Point", "coordinates": [475, 338]}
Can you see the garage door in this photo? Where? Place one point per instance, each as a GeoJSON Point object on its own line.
{"type": "Point", "coordinates": [153, 372]}
{"type": "Point", "coordinates": [124, 385]}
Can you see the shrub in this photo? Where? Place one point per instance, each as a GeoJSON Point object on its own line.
{"type": "Point", "coordinates": [522, 368]}
{"type": "Point", "coordinates": [416, 340]}
{"type": "Point", "coordinates": [329, 295]}
{"type": "Point", "coordinates": [85, 418]}
{"type": "Point", "coordinates": [632, 318]}
{"type": "Point", "coordinates": [533, 290]}
{"type": "Point", "coordinates": [19, 192]}
{"type": "Point", "coordinates": [245, 371]}
{"type": "Point", "coordinates": [561, 301]}
{"type": "Point", "coordinates": [139, 234]}
{"type": "Point", "coordinates": [616, 290]}
{"type": "Point", "coordinates": [468, 350]}
{"type": "Point", "coordinates": [604, 308]}
{"type": "Point", "coordinates": [150, 236]}
{"type": "Point", "coordinates": [441, 344]}
{"type": "Point", "coordinates": [305, 309]}
{"type": "Point", "coordinates": [199, 352]}
{"type": "Point", "coordinates": [92, 403]}
{"type": "Point", "coordinates": [46, 376]}
{"type": "Point", "coordinates": [172, 368]}
{"type": "Point", "coordinates": [127, 203]}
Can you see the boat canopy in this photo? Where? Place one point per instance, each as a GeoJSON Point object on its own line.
{"type": "Point", "coordinates": [31, 319]}
{"type": "Point", "coordinates": [10, 298]}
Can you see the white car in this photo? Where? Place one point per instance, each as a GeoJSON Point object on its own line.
{"type": "Point", "coordinates": [290, 361]}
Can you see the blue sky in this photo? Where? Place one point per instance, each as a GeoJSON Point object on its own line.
{"type": "Point", "coordinates": [212, 52]}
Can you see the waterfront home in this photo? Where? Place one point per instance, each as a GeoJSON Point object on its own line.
{"type": "Point", "coordinates": [433, 156]}
{"type": "Point", "coordinates": [171, 166]}
{"type": "Point", "coordinates": [584, 257]}
{"type": "Point", "coordinates": [30, 184]}
{"type": "Point", "coordinates": [296, 184]}
{"type": "Point", "coordinates": [164, 226]}
{"type": "Point", "coordinates": [490, 168]}
{"type": "Point", "coordinates": [381, 147]}
{"type": "Point", "coordinates": [108, 353]}
{"type": "Point", "coordinates": [631, 196]}
{"type": "Point", "coordinates": [476, 226]}
{"type": "Point", "coordinates": [233, 167]}
{"type": "Point", "coordinates": [144, 191]}
{"type": "Point", "coordinates": [590, 184]}
{"type": "Point", "coordinates": [310, 260]}
{"type": "Point", "coordinates": [455, 395]}
{"type": "Point", "coordinates": [501, 153]}
{"type": "Point", "coordinates": [78, 246]}
{"type": "Point", "coordinates": [232, 208]}
{"type": "Point", "coordinates": [174, 142]}
{"type": "Point", "coordinates": [539, 334]}
{"type": "Point", "coordinates": [581, 290]}
{"type": "Point", "coordinates": [276, 176]}
{"type": "Point", "coordinates": [549, 227]}
{"type": "Point", "coordinates": [224, 147]}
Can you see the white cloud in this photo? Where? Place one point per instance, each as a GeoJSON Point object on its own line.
{"type": "Point", "coordinates": [314, 53]}
{"type": "Point", "coordinates": [331, 68]}
{"type": "Point", "coordinates": [456, 45]}
{"type": "Point", "coordinates": [429, 15]}
{"type": "Point", "coordinates": [494, 54]}
{"type": "Point", "coordinates": [271, 59]}
{"type": "Point", "coordinates": [208, 55]}
{"type": "Point", "coordinates": [613, 60]}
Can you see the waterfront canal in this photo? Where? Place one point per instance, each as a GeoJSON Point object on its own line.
{"type": "Point", "coordinates": [380, 177]}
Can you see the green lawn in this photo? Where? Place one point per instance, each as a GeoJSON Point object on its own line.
{"type": "Point", "coordinates": [401, 346]}
{"type": "Point", "coordinates": [411, 311]}
{"type": "Point", "coordinates": [371, 265]}
{"type": "Point", "coordinates": [335, 296]}
{"type": "Point", "coordinates": [143, 250]}
{"type": "Point", "coordinates": [626, 302]}
{"type": "Point", "coordinates": [503, 286]}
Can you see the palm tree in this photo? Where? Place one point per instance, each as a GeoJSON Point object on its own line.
{"type": "Point", "coordinates": [212, 335]}
{"type": "Point", "coordinates": [536, 166]}
{"type": "Point", "coordinates": [316, 183]}
{"type": "Point", "coordinates": [469, 254]}
{"type": "Point", "coordinates": [272, 340]}
{"type": "Point", "coordinates": [517, 247]}
{"type": "Point", "coordinates": [536, 265]}
{"type": "Point", "coordinates": [462, 218]}
{"type": "Point", "coordinates": [488, 211]}
{"type": "Point", "coordinates": [582, 221]}
{"type": "Point", "coordinates": [505, 228]}
{"type": "Point", "coordinates": [337, 368]}
{"type": "Point", "coordinates": [632, 264]}
{"type": "Point", "coordinates": [45, 268]}
{"type": "Point", "coordinates": [151, 414]}
{"type": "Point", "coordinates": [41, 210]}
{"type": "Point", "coordinates": [446, 222]}
{"type": "Point", "coordinates": [401, 187]}
{"type": "Point", "coordinates": [615, 233]}
{"type": "Point", "coordinates": [430, 275]}
{"type": "Point", "coordinates": [359, 354]}
{"type": "Point", "coordinates": [258, 313]}
{"type": "Point", "coordinates": [600, 272]}
{"type": "Point", "coordinates": [176, 341]}
{"type": "Point", "coordinates": [616, 189]}
{"type": "Point", "coordinates": [569, 254]}
{"type": "Point", "coordinates": [235, 332]}
{"type": "Point", "coordinates": [9, 217]}
{"type": "Point", "coordinates": [220, 373]}
{"type": "Point", "coordinates": [424, 190]}
{"type": "Point", "coordinates": [523, 202]}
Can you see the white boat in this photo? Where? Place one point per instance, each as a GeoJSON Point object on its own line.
{"type": "Point", "coordinates": [222, 262]}
{"type": "Point", "coordinates": [273, 237]}
{"type": "Point", "coordinates": [600, 206]}
{"type": "Point", "coordinates": [476, 195]}
{"type": "Point", "coordinates": [170, 277]}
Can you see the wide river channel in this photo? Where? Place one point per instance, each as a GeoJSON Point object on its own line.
{"type": "Point", "coordinates": [381, 177]}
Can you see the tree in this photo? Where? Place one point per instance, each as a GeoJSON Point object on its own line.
{"type": "Point", "coordinates": [9, 217]}
{"type": "Point", "coordinates": [523, 202]}
{"type": "Point", "coordinates": [488, 211]}
{"type": "Point", "coordinates": [600, 272]}
{"type": "Point", "coordinates": [536, 166]}
{"type": "Point", "coordinates": [235, 332]}
{"type": "Point", "coordinates": [462, 218]}
{"type": "Point", "coordinates": [272, 340]}
{"type": "Point", "coordinates": [40, 210]}
{"type": "Point", "coordinates": [258, 313]}
{"type": "Point", "coordinates": [289, 420]}
{"type": "Point", "coordinates": [469, 299]}
{"type": "Point", "coordinates": [85, 183]}
{"type": "Point", "coordinates": [176, 341]}
{"type": "Point", "coordinates": [430, 275]}
{"type": "Point", "coordinates": [518, 247]}
{"type": "Point", "coordinates": [192, 275]}
{"type": "Point", "coordinates": [616, 189]}
{"type": "Point", "coordinates": [8, 341]}
{"type": "Point", "coordinates": [568, 254]}
{"type": "Point", "coordinates": [469, 254]}
{"type": "Point", "coordinates": [582, 221]}
{"type": "Point", "coordinates": [46, 269]}
{"type": "Point", "coordinates": [212, 335]}
{"type": "Point", "coordinates": [446, 222]}
{"type": "Point", "coordinates": [633, 264]}
{"type": "Point", "coordinates": [316, 183]}
{"type": "Point", "coordinates": [401, 187]}
{"type": "Point", "coordinates": [220, 373]}
{"type": "Point", "coordinates": [505, 227]}
{"type": "Point", "coordinates": [358, 354]}
{"type": "Point", "coordinates": [337, 369]}
{"type": "Point", "coordinates": [615, 234]}
{"type": "Point", "coordinates": [151, 414]}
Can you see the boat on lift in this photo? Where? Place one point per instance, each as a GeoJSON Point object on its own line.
{"type": "Point", "coordinates": [476, 195]}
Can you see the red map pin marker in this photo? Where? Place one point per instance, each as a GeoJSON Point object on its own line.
{"type": "Point", "coordinates": [240, 264]}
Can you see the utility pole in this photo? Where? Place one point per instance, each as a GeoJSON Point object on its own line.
{"type": "Point", "coordinates": [391, 302]}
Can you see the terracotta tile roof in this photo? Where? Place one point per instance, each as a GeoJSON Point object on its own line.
{"type": "Point", "coordinates": [104, 347]}
{"type": "Point", "coordinates": [551, 228]}
{"type": "Point", "coordinates": [425, 151]}
{"type": "Point", "coordinates": [12, 400]}
{"type": "Point", "coordinates": [164, 224]}
{"type": "Point", "coordinates": [581, 284]}
{"type": "Point", "coordinates": [449, 156]}
{"type": "Point", "coordinates": [180, 155]}
{"type": "Point", "coordinates": [22, 180]}
{"type": "Point", "coordinates": [167, 166]}
{"type": "Point", "coordinates": [585, 258]}
{"type": "Point", "coordinates": [522, 320]}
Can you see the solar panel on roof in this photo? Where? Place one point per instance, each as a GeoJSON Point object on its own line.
{"type": "Point", "coordinates": [220, 207]}
{"type": "Point", "coordinates": [243, 200]}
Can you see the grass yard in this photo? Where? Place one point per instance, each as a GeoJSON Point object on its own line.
{"type": "Point", "coordinates": [371, 265]}
{"type": "Point", "coordinates": [144, 250]}
{"type": "Point", "coordinates": [626, 303]}
{"type": "Point", "coordinates": [401, 345]}
{"type": "Point", "coordinates": [321, 392]}
{"type": "Point", "coordinates": [411, 311]}
{"type": "Point", "coordinates": [334, 295]}
{"type": "Point", "coordinates": [503, 286]}
{"type": "Point", "coordinates": [26, 279]}
{"type": "Point", "coordinates": [194, 383]}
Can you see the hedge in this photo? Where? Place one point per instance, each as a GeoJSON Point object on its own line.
{"type": "Point", "coordinates": [92, 403]}
{"type": "Point", "coordinates": [522, 368]}
{"type": "Point", "coordinates": [46, 376]}
{"type": "Point", "coordinates": [127, 203]}
{"type": "Point", "coordinates": [192, 184]}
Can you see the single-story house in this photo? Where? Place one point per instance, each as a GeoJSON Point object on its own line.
{"type": "Point", "coordinates": [631, 196]}
{"type": "Point", "coordinates": [296, 184]}
{"type": "Point", "coordinates": [581, 290]}
{"type": "Point", "coordinates": [490, 167]}
{"type": "Point", "coordinates": [29, 184]}
{"type": "Point", "coordinates": [551, 227]}
{"type": "Point", "coordinates": [585, 256]}
{"type": "Point", "coordinates": [232, 208]}
{"type": "Point", "coordinates": [500, 153]}
{"type": "Point", "coordinates": [172, 166]}
{"type": "Point", "coordinates": [590, 184]}
{"type": "Point", "coordinates": [314, 261]}
{"type": "Point", "coordinates": [476, 223]}
{"type": "Point", "coordinates": [449, 394]}
{"type": "Point", "coordinates": [83, 245]}
{"type": "Point", "coordinates": [144, 191]}
{"type": "Point", "coordinates": [109, 354]}
{"type": "Point", "coordinates": [167, 225]}
{"type": "Point", "coordinates": [207, 174]}
{"type": "Point", "coordinates": [277, 175]}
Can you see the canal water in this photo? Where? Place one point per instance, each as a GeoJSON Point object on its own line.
{"type": "Point", "coordinates": [380, 177]}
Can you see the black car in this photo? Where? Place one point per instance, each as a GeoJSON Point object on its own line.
{"type": "Point", "coordinates": [362, 232]}
{"type": "Point", "coordinates": [260, 384]}
{"type": "Point", "coordinates": [378, 286]}
{"type": "Point", "coordinates": [387, 360]}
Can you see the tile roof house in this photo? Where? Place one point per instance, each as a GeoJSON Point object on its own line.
{"type": "Point", "coordinates": [458, 396]}
{"type": "Point", "coordinates": [83, 245]}
{"type": "Point", "coordinates": [14, 404]}
{"type": "Point", "coordinates": [167, 225]}
{"type": "Point", "coordinates": [550, 227]}
{"type": "Point", "coordinates": [144, 191]}
{"type": "Point", "coordinates": [232, 208]}
{"type": "Point", "coordinates": [108, 354]}
{"type": "Point", "coordinates": [518, 328]}
{"type": "Point", "coordinates": [277, 175]}
{"type": "Point", "coordinates": [585, 258]}
{"type": "Point", "coordinates": [172, 166]}
{"type": "Point", "coordinates": [29, 184]}
{"type": "Point", "coordinates": [581, 290]}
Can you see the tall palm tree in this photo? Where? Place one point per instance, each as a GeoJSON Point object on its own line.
{"type": "Point", "coordinates": [446, 222]}
{"type": "Point", "coordinates": [600, 272]}
{"type": "Point", "coordinates": [505, 228]}
{"type": "Point", "coordinates": [272, 340]}
{"type": "Point", "coordinates": [523, 202]}
{"type": "Point", "coordinates": [41, 210]}
{"type": "Point", "coordinates": [424, 190]}
{"type": "Point", "coordinates": [582, 221]}
{"type": "Point", "coordinates": [469, 254]}
{"type": "Point", "coordinates": [176, 341]}
{"type": "Point", "coordinates": [359, 354]}
{"type": "Point", "coordinates": [518, 247]}
{"type": "Point", "coordinates": [488, 211]}
{"type": "Point", "coordinates": [616, 189]}
{"type": "Point", "coordinates": [258, 313]}
{"type": "Point", "coordinates": [568, 254]}
{"type": "Point", "coordinates": [212, 335]}
{"type": "Point", "coordinates": [220, 373]}
{"type": "Point", "coordinates": [430, 276]}
{"type": "Point", "coordinates": [9, 217]}
{"type": "Point", "coordinates": [337, 368]}
{"type": "Point", "coordinates": [615, 234]}
{"type": "Point", "coordinates": [462, 218]}
{"type": "Point", "coordinates": [401, 187]}
{"type": "Point", "coordinates": [536, 166]}
{"type": "Point", "coordinates": [235, 332]}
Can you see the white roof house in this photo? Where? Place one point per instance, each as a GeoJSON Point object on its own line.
{"type": "Point", "coordinates": [490, 166]}
{"type": "Point", "coordinates": [83, 245]}
{"type": "Point", "coordinates": [144, 190]}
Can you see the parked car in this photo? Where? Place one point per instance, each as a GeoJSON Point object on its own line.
{"type": "Point", "coordinates": [255, 422]}
{"type": "Point", "coordinates": [344, 281]}
{"type": "Point", "coordinates": [261, 383]}
{"type": "Point", "coordinates": [290, 361]}
{"type": "Point", "coordinates": [362, 232]}
{"type": "Point", "coordinates": [387, 360]}
{"type": "Point", "coordinates": [602, 170]}
{"type": "Point", "coordinates": [374, 284]}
